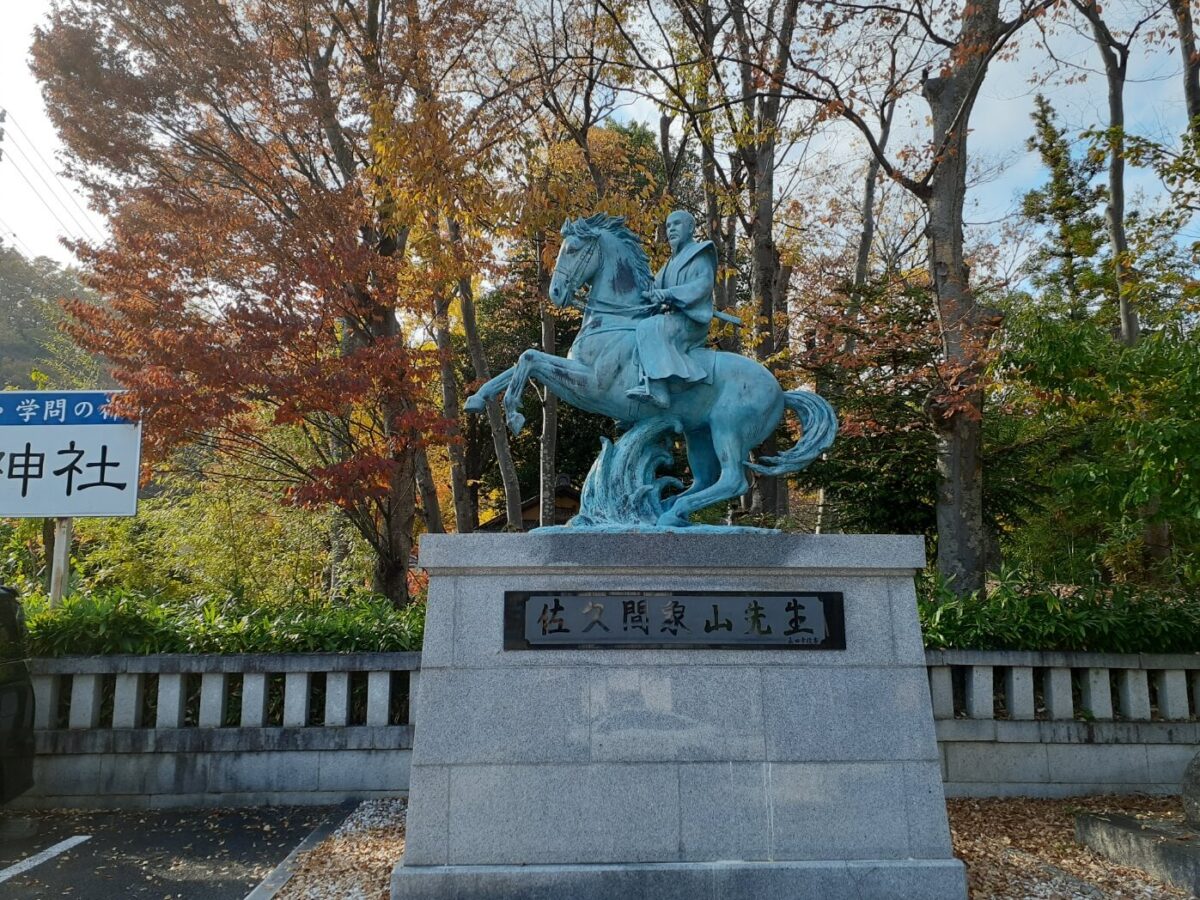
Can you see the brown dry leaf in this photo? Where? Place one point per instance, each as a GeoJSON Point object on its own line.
{"type": "Point", "coordinates": [1014, 849]}
{"type": "Point", "coordinates": [1022, 848]}
{"type": "Point", "coordinates": [358, 866]}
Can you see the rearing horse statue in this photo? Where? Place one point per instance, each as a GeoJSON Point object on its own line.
{"type": "Point", "coordinates": [722, 417]}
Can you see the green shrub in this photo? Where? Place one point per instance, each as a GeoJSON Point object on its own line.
{"type": "Point", "coordinates": [1020, 614]}
{"type": "Point", "coordinates": [1017, 614]}
{"type": "Point", "coordinates": [116, 622]}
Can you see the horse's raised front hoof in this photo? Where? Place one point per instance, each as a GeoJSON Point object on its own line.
{"type": "Point", "coordinates": [475, 403]}
{"type": "Point", "coordinates": [670, 520]}
{"type": "Point", "coordinates": [516, 422]}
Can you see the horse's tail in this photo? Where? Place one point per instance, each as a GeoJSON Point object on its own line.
{"type": "Point", "coordinates": [819, 424]}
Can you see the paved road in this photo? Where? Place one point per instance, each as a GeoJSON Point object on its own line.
{"type": "Point", "coordinates": [193, 854]}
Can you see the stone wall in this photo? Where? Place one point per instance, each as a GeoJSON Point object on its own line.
{"type": "Point", "coordinates": [173, 730]}
{"type": "Point", "coordinates": [320, 728]}
{"type": "Point", "coordinates": [1061, 724]}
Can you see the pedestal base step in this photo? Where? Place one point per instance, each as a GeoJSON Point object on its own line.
{"type": "Point", "coordinates": [910, 879]}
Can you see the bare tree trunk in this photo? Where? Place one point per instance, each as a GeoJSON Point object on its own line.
{"type": "Point", "coordinates": [720, 231]}
{"type": "Point", "coordinates": [431, 505]}
{"type": "Point", "coordinates": [388, 523]}
{"type": "Point", "coordinates": [508, 471]}
{"type": "Point", "coordinates": [762, 109]}
{"type": "Point", "coordinates": [547, 468]}
{"type": "Point", "coordinates": [48, 547]}
{"type": "Point", "coordinates": [866, 236]}
{"type": "Point", "coordinates": [727, 285]}
{"type": "Point", "coordinates": [339, 550]}
{"type": "Point", "coordinates": [965, 326]}
{"type": "Point", "coordinates": [1156, 536]}
{"type": "Point", "coordinates": [782, 341]}
{"type": "Point", "coordinates": [395, 514]}
{"type": "Point", "coordinates": [1116, 61]}
{"type": "Point", "coordinates": [459, 493]}
{"type": "Point", "coordinates": [862, 260]}
{"type": "Point", "coordinates": [478, 442]}
{"type": "Point", "coordinates": [769, 493]}
{"type": "Point", "coordinates": [1182, 9]}
{"type": "Point", "coordinates": [398, 515]}
{"type": "Point", "coordinates": [719, 228]}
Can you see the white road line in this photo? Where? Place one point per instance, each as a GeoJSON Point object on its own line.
{"type": "Point", "coordinates": [38, 858]}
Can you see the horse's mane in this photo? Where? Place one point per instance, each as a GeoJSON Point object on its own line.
{"type": "Point", "coordinates": [591, 226]}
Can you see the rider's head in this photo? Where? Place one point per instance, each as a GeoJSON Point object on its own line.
{"type": "Point", "coordinates": [680, 225]}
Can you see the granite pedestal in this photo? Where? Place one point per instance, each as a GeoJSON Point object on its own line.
{"type": "Point", "coordinates": [691, 773]}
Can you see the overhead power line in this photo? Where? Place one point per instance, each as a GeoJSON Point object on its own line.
{"type": "Point", "coordinates": [67, 230]}
{"type": "Point", "coordinates": [83, 228]}
{"type": "Point", "coordinates": [62, 184]}
{"type": "Point", "coordinates": [79, 225]}
{"type": "Point", "coordinates": [8, 230]}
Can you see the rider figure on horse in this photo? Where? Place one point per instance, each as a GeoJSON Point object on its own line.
{"type": "Point", "coordinates": [682, 297]}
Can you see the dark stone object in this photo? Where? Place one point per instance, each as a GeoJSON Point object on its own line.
{"type": "Point", "coordinates": [1191, 792]}
{"type": "Point", "coordinates": [1167, 850]}
{"type": "Point", "coordinates": [658, 620]}
{"type": "Point", "coordinates": [16, 701]}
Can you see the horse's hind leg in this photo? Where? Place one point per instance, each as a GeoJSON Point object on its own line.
{"type": "Point", "coordinates": [702, 459]}
{"type": "Point", "coordinates": [731, 453]}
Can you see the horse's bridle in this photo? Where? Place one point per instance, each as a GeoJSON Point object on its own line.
{"type": "Point", "coordinates": [575, 283]}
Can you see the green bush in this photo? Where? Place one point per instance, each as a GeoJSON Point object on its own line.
{"type": "Point", "coordinates": [1017, 614]}
{"type": "Point", "coordinates": [116, 622]}
{"type": "Point", "coordinates": [1020, 614]}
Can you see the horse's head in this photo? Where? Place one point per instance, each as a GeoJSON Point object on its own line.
{"type": "Point", "coordinates": [578, 260]}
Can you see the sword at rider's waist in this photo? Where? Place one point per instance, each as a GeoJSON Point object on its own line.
{"type": "Point", "coordinates": [727, 317]}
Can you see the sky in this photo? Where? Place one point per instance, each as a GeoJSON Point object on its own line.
{"type": "Point", "coordinates": [38, 205]}
{"type": "Point", "coordinates": [1001, 123]}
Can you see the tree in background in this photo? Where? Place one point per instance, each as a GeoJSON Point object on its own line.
{"type": "Point", "coordinates": [957, 45]}
{"type": "Point", "coordinates": [29, 316]}
{"type": "Point", "coordinates": [1110, 418]}
{"type": "Point", "coordinates": [1065, 269]}
{"type": "Point", "coordinates": [562, 179]}
{"type": "Point", "coordinates": [331, 219]}
{"type": "Point", "coordinates": [876, 350]}
{"type": "Point", "coordinates": [260, 272]}
{"type": "Point", "coordinates": [720, 68]}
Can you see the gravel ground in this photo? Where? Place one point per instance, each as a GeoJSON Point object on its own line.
{"type": "Point", "coordinates": [1014, 850]}
{"type": "Point", "coordinates": [356, 861]}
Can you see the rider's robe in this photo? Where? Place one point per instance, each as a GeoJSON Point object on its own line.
{"type": "Point", "coordinates": [663, 341]}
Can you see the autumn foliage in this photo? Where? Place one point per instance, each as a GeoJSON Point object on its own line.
{"type": "Point", "coordinates": [332, 221]}
{"type": "Point", "coordinates": [268, 265]}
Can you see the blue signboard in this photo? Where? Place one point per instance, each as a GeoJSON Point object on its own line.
{"type": "Point", "coordinates": [57, 408]}
{"type": "Point", "coordinates": [64, 454]}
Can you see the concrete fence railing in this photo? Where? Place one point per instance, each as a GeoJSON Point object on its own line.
{"type": "Point", "coordinates": [1055, 724]}
{"type": "Point", "coordinates": [175, 729]}
{"type": "Point", "coordinates": [320, 727]}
